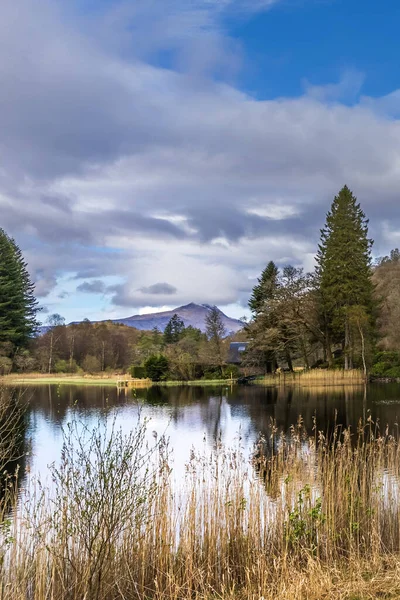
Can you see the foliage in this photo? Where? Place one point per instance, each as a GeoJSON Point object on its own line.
{"type": "Point", "coordinates": [264, 289]}
{"type": "Point", "coordinates": [216, 332]}
{"type": "Point", "coordinates": [18, 306]}
{"type": "Point", "coordinates": [157, 367]}
{"type": "Point", "coordinates": [386, 364]}
{"type": "Point", "coordinates": [91, 364]}
{"type": "Point", "coordinates": [138, 372]}
{"type": "Point", "coordinates": [114, 346]}
{"type": "Point", "coordinates": [173, 330]}
{"type": "Point", "coordinates": [386, 279]}
{"type": "Point", "coordinates": [122, 484]}
{"type": "Point", "coordinates": [344, 270]}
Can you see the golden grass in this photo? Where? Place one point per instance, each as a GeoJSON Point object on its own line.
{"type": "Point", "coordinates": [315, 377]}
{"type": "Point", "coordinates": [321, 520]}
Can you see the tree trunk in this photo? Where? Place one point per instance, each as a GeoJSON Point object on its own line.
{"type": "Point", "coordinates": [362, 348]}
{"type": "Point", "coordinates": [71, 352]}
{"type": "Point", "coordinates": [346, 344]}
{"type": "Point", "coordinates": [328, 349]}
{"type": "Point", "coordinates": [304, 350]}
{"type": "Point", "coordinates": [289, 359]}
{"type": "Point", "coordinates": [51, 351]}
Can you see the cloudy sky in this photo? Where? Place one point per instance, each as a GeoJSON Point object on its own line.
{"type": "Point", "coordinates": [159, 152]}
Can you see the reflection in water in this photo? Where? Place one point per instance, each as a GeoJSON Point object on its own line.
{"type": "Point", "coordinates": [13, 443]}
{"type": "Point", "coordinates": [190, 414]}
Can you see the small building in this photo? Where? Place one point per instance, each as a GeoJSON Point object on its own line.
{"type": "Point", "coordinates": [235, 353]}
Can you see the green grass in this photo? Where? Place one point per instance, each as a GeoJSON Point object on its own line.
{"type": "Point", "coordinates": [16, 379]}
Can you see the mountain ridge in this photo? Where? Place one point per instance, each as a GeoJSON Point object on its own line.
{"type": "Point", "coordinates": [191, 314]}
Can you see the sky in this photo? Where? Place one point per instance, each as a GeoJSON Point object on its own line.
{"type": "Point", "coordinates": [159, 152]}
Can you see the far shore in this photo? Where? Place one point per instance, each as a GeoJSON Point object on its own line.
{"type": "Point", "coordinates": [111, 379]}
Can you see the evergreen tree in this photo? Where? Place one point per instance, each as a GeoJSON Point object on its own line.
{"type": "Point", "coordinates": [263, 329]}
{"type": "Point", "coordinates": [174, 330]}
{"type": "Point", "coordinates": [18, 306]}
{"type": "Point", "coordinates": [265, 288]}
{"type": "Point", "coordinates": [344, 271]}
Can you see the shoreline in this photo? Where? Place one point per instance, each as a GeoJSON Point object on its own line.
{"type": "Point", "coordinates": [113, 380]}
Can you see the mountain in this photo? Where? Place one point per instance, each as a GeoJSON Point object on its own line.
{"type": "Point", "coordinates": [191, 314]}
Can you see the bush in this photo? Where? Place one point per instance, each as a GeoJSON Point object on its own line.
{"type": "Point", "coordinates": [91, 364]}
{"type": "Point", "coordinates": [386, 364]}
{"type": "Point", "coordinates": [393, 372]}
{"type": "Point", "coordinates": [157, 367]}
{"type": "Point", "coordinates": [61, 366]}
{"type": "Point", "coordinates": [138, 372]}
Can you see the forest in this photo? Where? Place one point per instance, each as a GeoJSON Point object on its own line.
{"type": "Point", "coordinates": [343, 315]}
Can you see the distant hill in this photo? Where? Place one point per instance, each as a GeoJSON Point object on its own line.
{"type": "Point", "coordinates": [191, 314]}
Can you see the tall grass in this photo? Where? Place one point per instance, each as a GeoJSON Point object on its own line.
{"type": "Point", "coordinates": [315, 377]}
{"type": "Point", "coordinates": [319, 519]}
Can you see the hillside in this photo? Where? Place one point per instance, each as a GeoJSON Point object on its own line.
{"type": "Point", "coordinates": [191, 314]}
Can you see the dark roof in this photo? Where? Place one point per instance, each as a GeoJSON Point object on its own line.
{"type": "Point", "coordinates": [236, 349]}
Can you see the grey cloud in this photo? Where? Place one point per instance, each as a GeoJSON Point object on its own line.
{"type": "Point", "coordinates": [92, 287]}
{"type": "Point", "coordinates": [99, 150]}
{"type": "Point", "coordinates": [64, 294]}
{"type": "Point", "coordinates": [158, 289]}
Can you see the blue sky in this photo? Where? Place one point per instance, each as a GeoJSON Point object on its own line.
{"type": "Point", "coordinates": [155, 153]}
{"type": "Point", "coordinates": [318, 42]}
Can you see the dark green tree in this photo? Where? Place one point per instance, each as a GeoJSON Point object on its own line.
{"type": "Point", "coordinates": [157, 367]}
{"type": "Point", "coordinates": [18, 306]}
{"type": "Point", "coordinates": [344, 272]}
{"type": "Point", "coordinates": [264, 289]}
{"type": "Point", "coordinates": [263, 331]}
{"type": "Point", "coordinates": [174, 330]}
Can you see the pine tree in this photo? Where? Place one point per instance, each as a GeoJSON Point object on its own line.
{"type": "Point", "coordinates": [344, 271]}
{"type": "Point", "coordinates": [264, 290]}
{"type": "Point", "coordinates": [18, 306]}
{"type": "Point", "coordinates": [174, 330]}
{"type": "Point", "coordinates": [263, 331]}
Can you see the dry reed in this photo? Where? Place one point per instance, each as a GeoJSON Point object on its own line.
{"type": "Point", "coordinates": [312, 517]}
{"type": "Point", "coordinates": [315, 377]}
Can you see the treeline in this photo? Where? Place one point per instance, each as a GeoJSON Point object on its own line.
{"type": "Point", "coordinates": [186, 353]}
{"type": "Point", "coordinates": [344, 314]}
{"type": "Point", "coordinates": [180, 353]}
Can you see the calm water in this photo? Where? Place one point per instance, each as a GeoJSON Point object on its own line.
{"type": "Point", "coordinates": [195, 416]}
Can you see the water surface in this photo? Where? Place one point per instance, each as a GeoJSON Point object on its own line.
{"type": "Point", "coordinates": [196, 417]}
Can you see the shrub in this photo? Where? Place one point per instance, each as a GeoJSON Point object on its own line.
{"type": "Point", "coordinates": [138, 372]}
{"type": "Point", "coordinates": [61, 366]}
{"type": "Point", "coordinates": [157, 367]}
{"type": "Point", "coordinates": [386, 364]}
{"type": "Point", "coordinates": [231, 371]}
{"type": "Point", "coordinates": [91, 364]}
{"type": "Point", "coordinates": [393, 372]}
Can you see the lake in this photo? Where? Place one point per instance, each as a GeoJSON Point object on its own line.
{"type": "Point", "coordinates": [197, 417]}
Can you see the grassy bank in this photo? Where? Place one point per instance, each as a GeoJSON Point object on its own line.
{"type": "Point", "coordinates": [58, 379]}
{"type": "Point", "coordinates": [112, 380]}
{"type": "Point", "coordinates": [314, 377]}
{"type": "Point", "coordinates": [321, 521]}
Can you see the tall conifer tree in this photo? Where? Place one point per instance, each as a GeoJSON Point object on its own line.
{"type": "Point", "coordinates": [18, 306]}
{"type": "Point", "coordinates": [264, 290]}
{"type": "Point", "coordinates": [344, 270]}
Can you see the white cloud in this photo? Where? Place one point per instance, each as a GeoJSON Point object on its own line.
{"type": "Point", "coordinates": [112, 167]}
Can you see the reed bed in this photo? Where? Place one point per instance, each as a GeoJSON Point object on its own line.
{"type": "Point", "coordinates": [309, 517]}
{"type": "Point", "coordinates": [315, 377]}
